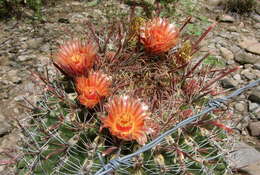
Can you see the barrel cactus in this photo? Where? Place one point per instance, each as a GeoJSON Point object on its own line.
{"type": "Point", "coordinates": [109, 103]}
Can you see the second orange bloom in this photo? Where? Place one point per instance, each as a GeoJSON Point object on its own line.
{"type": "Point", "coordinates": [93, 88]}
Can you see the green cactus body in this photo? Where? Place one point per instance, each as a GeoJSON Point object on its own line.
{"type": "Point", "coordinates": [59, 146]}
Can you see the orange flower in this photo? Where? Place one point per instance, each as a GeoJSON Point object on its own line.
{"type": "Point", "coordinates": [158, 36]}
{"type": "Point", "coordinates": [93, 88]}
{"type": "Point", "coordinates": [75, 57]}
{"type": "Point", "coordinates": [127, 119]}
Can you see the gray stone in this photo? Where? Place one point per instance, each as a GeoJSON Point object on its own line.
{"type": "Point", "coordinates": [230, 62]}
{"type": "Point", "coordinates": [240, 107]}
{"type": "Point", "coordinates": [245, 58]}
{"type": "Point", "coordinates": [76, 18]}
{"type": "Point", "coordinates": [227, 18]}
{"type": "Point", "coordinates": [255, 96]}
{"type": "Point", "coordinates": [257, 26]}
{"type": "Point", "coordinates": [254, 48]}
{"type": "Point", "coordinates": [248, 74]}
{"type": "Point", "coordinates": [257, 114]}
{"type": "Point", "coordinates": [257, 66]}
{"type": "Point", "coordinates": [214, 3]}
{"type": "Point", "coordinates": [254, 110]}
{"type": "Point", "coordinates": [224, 35]}
{"type": "Point", "coordinates": [237, 77]}
{"type": "Point", "coordinates": [34, 43]}
{"type": "Point", "coordinates": [5, 128]}
{"type": "Point", "coordinates": [244, 30]}
{"type": "Point", "coordinates": [243, 156]}
{"type": "Point", "coordinates": [227, 54]}
{"type": "Point", "coordinates": [256, 17]}
{"type": "Point", "coordinates": [45, 48]}
{"type": "Point", "coordinates": [25, 57]}
{"type": "Point", "coordinates": [248, 66]}
{"type": "Point", "coordinates": [254, 128]}
{"type": "Point", "coordinates": [228, 83]}
{"type": "Point", "coordinates": [234, 48]}
{"type": "Point", "coordinates": [253, 106]}
{"type": "Point", "coordinates": [12, 75]}
{"type": "Point", "coordinates": [232, 28]}
{"type": "Point", "coordinates": [9, 142]}
{"type": "Point", "coordinates": [250, 45]}
{"type": "Point", "coordinates": [23, 38]}
{"type": "Point", "coordinates": [246, 42]}
{"type": "Point", "coordinates": [234, 35]}
{"type": "Point", "coordinates": [256, 72]}
{"type": "Point", "coordinates": [252, 169]}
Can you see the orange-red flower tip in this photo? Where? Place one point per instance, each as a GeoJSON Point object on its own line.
{"type": "Point", "coordinates": [127, 119]}
{"type": "Point", "coordinates": [159, 36]}
{"type": "Point", "coordinates": [76, 57]}
{"type": "Point", "coordinates": [93, 88]}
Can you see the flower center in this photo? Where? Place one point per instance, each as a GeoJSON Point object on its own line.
{"type": "Point", "coordinates": [76, 58]}
{"type": "Point", "coordinates": [124, 122]}
{"type": "Point", "coordinates": [91, 93]}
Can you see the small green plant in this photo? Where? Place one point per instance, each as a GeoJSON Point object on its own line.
{"type": "Point", "coordinates": [212, 60]}
{"type": "Point", "coordinates": [194, 29]}
{"type": "Point", "coordinates": [36, 5]}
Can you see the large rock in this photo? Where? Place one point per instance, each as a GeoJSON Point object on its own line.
{"type": "Point", "coordinates": [250, 45]}
{"type": "Point", "coordinates": [243, 157]}
{"type": "Point", "coordinates": [246, 58]}
{"type": "Point", "coordinates": [254, 48]}
{"type": "Point", "coordinates": [254, 128]}
{"type": "Point", "coordinates": [252, 169]}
